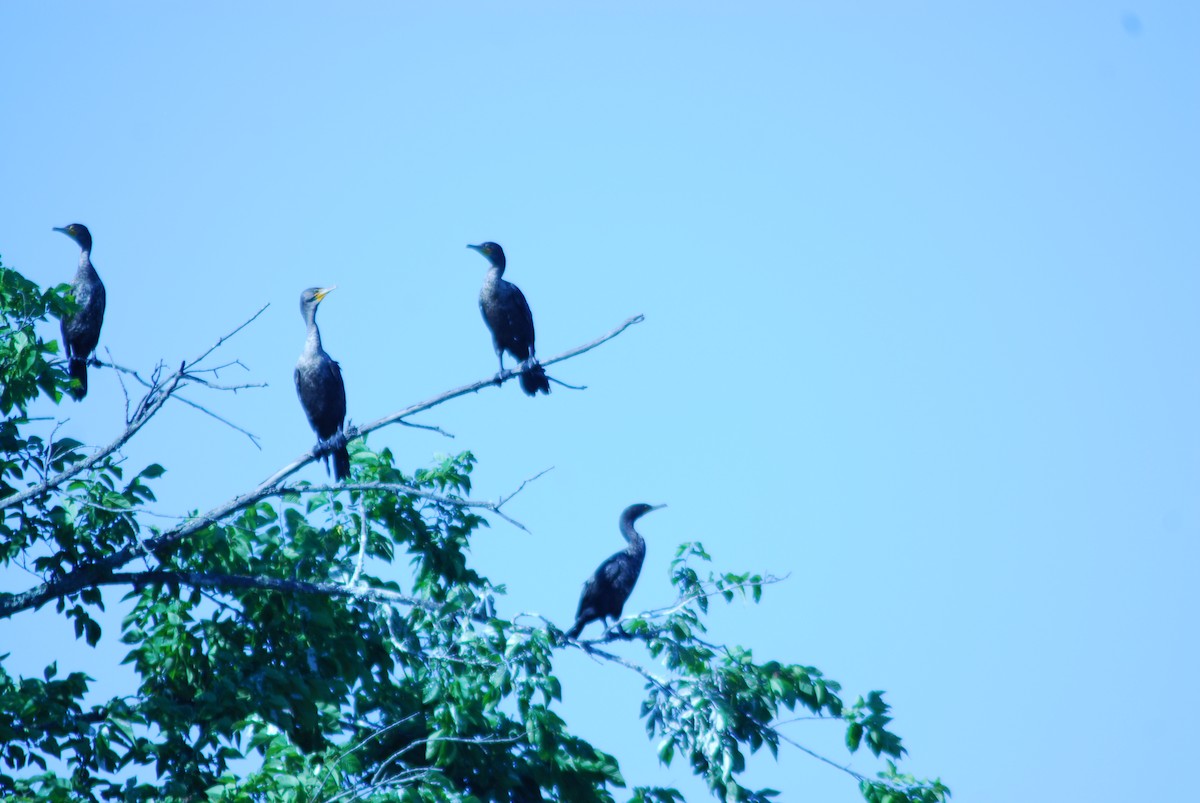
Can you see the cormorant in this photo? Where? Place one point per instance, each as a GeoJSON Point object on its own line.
{"type": "Point", "coordinates": [321, 390]}
{"type": "Point", "coordinates": [605, 592]}
{"type": "Point", "coordinates": [81, 331]}
{"type": "Point", "coordinates": [507, 314]}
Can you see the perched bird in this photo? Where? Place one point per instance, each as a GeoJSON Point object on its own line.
{"type": "Point", "coordinates": [507, 314]}
{"type": "Point", "coordinates": [320, 388]}
{"type": "Point", "coordinates": [605, 592]}
{"type": "Point", "coordinates": [81, 331]}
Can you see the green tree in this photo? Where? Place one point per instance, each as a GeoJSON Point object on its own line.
{"type": "Point", "coordinates": [272, 665]}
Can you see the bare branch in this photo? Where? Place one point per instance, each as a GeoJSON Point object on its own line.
{"type": "Point", "coordinates": [474, 387]}
{"type": "Point", "coordinates": [102, 570]}
{"type": "Point", "coordinates": [616, 659]}
{"type": "Point", "coordinates": [223, 338]}
{"type": "Point", "coordinates": [438, 430]}
{"type": "Point", "coordinates": [858, 776]}
{"type": "Point", "coordinates": [253, 438]}
{"type": "Point", "coordinates": [150, 405]}
{"type": "Point", "coordinates": [564, 384]}
{"type": "Point", "coordinates": [124, 390]}
{"type": "Point", "coordinates": [575, 352]}
{"type": "Point", "coordinates": [216, 369]}
{"type": "Point", "coordinates": [521, 487]}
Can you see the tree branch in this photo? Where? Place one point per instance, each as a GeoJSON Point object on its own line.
{"type": "Point", "coordinates": [231, 581]}
{"type": "Point", "coordinates": [101, 572]}
{"type": "Point", "coordinates": [474, 387]}
{"type": "Point", "coordinates": [150, 405]}
{"type": "Point", "coordinates": [159, 391]}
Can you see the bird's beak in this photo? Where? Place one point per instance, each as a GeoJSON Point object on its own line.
{"type": "Point", "coordinates": [324, 291]}
{"type": "Point", "coordinates": [478, 248]}
{"type": "Point", "coordinates": [657, 507]}
{"type": "Point", "coordinates": [64, 231]}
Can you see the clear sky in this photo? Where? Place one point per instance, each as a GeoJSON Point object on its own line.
{"type": "Point", "coordinates": [920, 286]}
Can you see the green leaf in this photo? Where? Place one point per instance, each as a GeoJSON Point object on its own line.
{"type": "Point", "coordinates": [854, 736]}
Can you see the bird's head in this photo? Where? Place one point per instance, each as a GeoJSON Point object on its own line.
{"type": "Point", "coordinates": [311, 297]}
{"type": "Point", "coordinates": [635, 512]}
{"type": "Point", "coordinates": [492, 251]}
{"type": "Point", "coordinates": [79, 233]}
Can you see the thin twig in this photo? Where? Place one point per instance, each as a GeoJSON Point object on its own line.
{"type": "Point", "coordinates": [253, 438]}
{"type": "Point", "coordinates": [430, 740]}
{"type": "Point", "coordinates": [121, 382]}
{"type": "Point", "coordinates": [438, 430]}
{"type": "Point", "coordinates": [223, 338]}
{"type": "Point", "coordinates": [375, 734]}
{"type": "Point", "coordinates": [588, 649]}
{"type": "Point", "coordinates": [781, 723]}
{"type": "Point", "coordinates": [858, 776]}
{"type": "Point", "coordinates": [564, 384]}
{"type": "Point", "coordinates": [235, 388]}
{"type": "Point", "coordinates": [216, 369]}
{"type": "Point", "coordinates": [521, 487]}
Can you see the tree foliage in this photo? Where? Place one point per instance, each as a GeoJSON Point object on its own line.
{"type": "Point", "coordinates": [273, 664]}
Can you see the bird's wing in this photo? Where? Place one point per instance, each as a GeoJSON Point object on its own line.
{"type": "Point", "coordinates": [586, 596]}
{"type": "Point", "coordinates": [612, 569]}
{"type": "Point", "coordinates": [338, 397]}
{"type": "Point", "coordinates": [322, 394]}
{"type": "Point", "coordinates": [520, 317]}
{"type": "Point", "coordinates": [66, 340]}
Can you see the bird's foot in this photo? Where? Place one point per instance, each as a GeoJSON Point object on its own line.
{"type": "Point", "coordinates": [502, 375]}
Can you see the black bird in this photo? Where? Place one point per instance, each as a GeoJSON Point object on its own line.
{"type": "Point", "coordinates": [507, 314]}
{"type": "Point", "coordinates": [605, 592]}
{"type": "Point", "coordinates": [81, 331]}
{"type": "Point", "coordinates": [320, 388]}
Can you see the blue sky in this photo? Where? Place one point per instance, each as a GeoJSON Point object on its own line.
{"type": "Point", "coordinates": [919, 285]}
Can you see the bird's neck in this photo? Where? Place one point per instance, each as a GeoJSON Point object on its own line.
{"type": "Point", "coordinates": [637, 547]}
{"type": "Point", "coordinates": [494, 273]}
{"type": "Point", "coordinates": [312, 343]}
{"type": "Point", "coordinates": [85, 262]}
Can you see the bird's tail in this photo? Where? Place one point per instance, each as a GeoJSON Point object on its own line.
{"type": "Point", "coordinates": [533, 378]}
{"type": "Point", "coordinates": [576, 630]}
{"type": "Point", "coordinates": [78, 370]}
{"type": "Point", "coordinates": [341, 462]}
{"type": "Point", "coordinates": [335, 447]}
